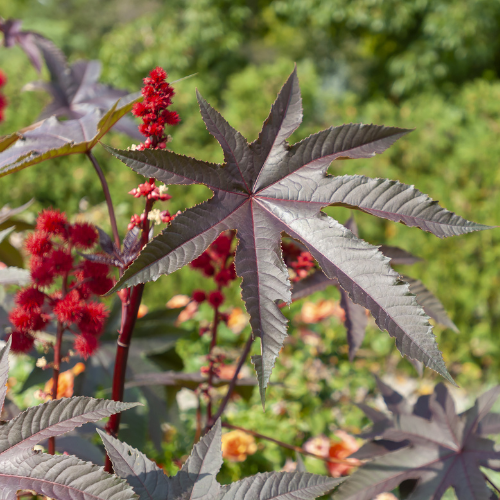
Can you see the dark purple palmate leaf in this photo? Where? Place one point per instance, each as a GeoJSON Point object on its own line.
{"type": "Point", "coordinates": [197, 478]}
{"type": "Point", "coordinates": [432, 445]}
{"type": "Point", "coordinates": [62, 477]}
{"type": "Point", "coordinates": [267, 188]}
{"type": "Point", "coordinates": [52, 138]}
{"type": "Point", "coordinates": [74, 89]}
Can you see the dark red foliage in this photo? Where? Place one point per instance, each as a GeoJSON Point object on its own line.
{"type": "Point", "coordinates": [30, 298]}
{"type": "Point", "coordinates": [83, 235]}
{"type": "Point", "coordinates": [85, 345]}
{"type": "Point", "coordinates": [38, 243]}
{"type": "Point", "coordinates": [215, 298]}
{"type": "Point", "coordinates": [22, 342]}
{"type": "Point", "coordinates": [199, 296]}
{"type": "Point", "coordinates": [52, 221]}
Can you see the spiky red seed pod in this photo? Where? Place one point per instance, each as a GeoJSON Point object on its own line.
{"type": "Point", "coordinates": [60, 261]}
{"type": "Point", "coordinates": [222, 245]}
{"type": "Point", "coordinates": [209, 270]}
{"type": "Point", "coordinates": [223, 277]}
{"type": "Point", "coordinates": [30, 298]}
{"type": "Point", "coordinates": [41, 274]}
{"type": "Point", "coordinates": [199, 296]}
{"type": "Point", "coordinates": [101, 285]}
{"type": "Point", "coordinates": [202, 261]}
{"type": "Point", "coordinates": [94, 269]}
{"type": "Point", "coordinates": [85, 345]}
{"type": "Point", "coordinates": [25, 320]}
{"type": "Point", "coordinates": [38, 243]}
{"type": "Point", "coordinates": [69, 309]}
{"type": "Point", "coordinates": [83, 235]}
{"type": "Point", "coordinates": [3, 79]}
{"type": "Point", "coordinates": [22, 342]}
{"type": "Point", "coordinates": [215, 298]}
{"type": "Point", "coordinates": [52, 221]}
{"type": "Point", "coordinates": [93, 317]}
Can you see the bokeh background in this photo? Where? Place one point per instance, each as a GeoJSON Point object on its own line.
{"type": "Point", "coordinates": [429, 65]}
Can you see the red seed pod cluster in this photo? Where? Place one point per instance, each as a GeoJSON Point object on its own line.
{"type": "Point", "coordinates": [217, 261]}
{"type": "Point", "coordinates": [69, 301]}
{"type": "Point", "coordinates": [3, 100]}
{"type": "Point", "coordinates": [153, 110]}
{"type": "Point", "coordinates": [301, 262]}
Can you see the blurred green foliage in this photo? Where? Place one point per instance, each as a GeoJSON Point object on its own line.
{"type": "Point", "coordinates": [431, 65]}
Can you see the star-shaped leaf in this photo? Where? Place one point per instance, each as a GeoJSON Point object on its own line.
{"type": "Point", "coordinates": [54, 138]}
{"type": "Point", "coordinates": [197, 478]}
{"type": "Point", "coordinates": [432, 445]}
{"type": "Point", "coordinates": [267, 188]}
{"type": "Point", "coordinates": [62, 476]}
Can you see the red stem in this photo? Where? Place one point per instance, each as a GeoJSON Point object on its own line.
{"type": "Point", "coordinates": [55, 376]}
{"type": "Point", "coordinates": [130, 308]}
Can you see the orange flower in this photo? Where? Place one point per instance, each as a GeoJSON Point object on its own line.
{"type": "Point", "coordinates": [237, 445]}
{"type": "Point", "coordinates": [314, 312]}
{"type": "Point", "coordinates": [341, 450]}
{"type": "Point", "coordinates": [143, 310]}
{"type": "Point", "coordinates": [65, 383]}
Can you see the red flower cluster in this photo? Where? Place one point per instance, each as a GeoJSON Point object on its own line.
{"type": "Point", "coordinates": [217, 261]}
{"type": "Point", "coordinates": [149, 191]}
{"type": "Point", "coordinates": [301, 262]}
{"type": "Point", "coordinates": [51, 248]}
{"type": "Point", "coordinates": [3, 101]}
{"type": "Point", "coordinates": [153, 110]}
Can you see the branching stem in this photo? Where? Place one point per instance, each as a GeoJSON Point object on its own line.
{"type": "Point", "coordinates": [107, 195]}
{"type": "Point", "coordinates": [233, 383]}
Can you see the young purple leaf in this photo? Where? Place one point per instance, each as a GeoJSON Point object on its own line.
{"type": "Point", "coordinates": [268, 188]}
{"type": "Point", "coordinates": [442, 451]}
{"type": "Point", "coordinates": [53, 138]}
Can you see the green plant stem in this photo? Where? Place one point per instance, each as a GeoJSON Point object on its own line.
{"type": "Point", "coordinates": [107, 195]}
{"type": "Point", "coordinates": [234, 381]}
{"type": "Point", "coordinates": [287, 446]}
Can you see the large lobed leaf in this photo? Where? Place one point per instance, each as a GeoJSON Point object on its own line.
{"type": "Point", "coordinates": [267, 188]}
{"type": "Point", "coordinates": [197, 478]}
{"type": "Point", "coordinates": [431, 445]}
{"type": "Point", "coordinates": [53, 138]}
{"type": "Point", "coordinates": [62, 477]}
